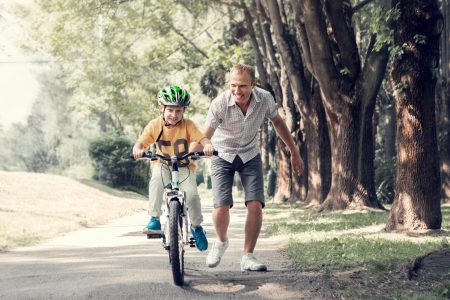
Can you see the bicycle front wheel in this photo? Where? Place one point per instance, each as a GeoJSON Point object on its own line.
{"type": "Point", "coordinates": [176, 249]}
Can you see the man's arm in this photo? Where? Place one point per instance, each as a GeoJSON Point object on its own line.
{"type": "Point", "coordinates": [285, 135]}
{"type": "Point", "coordinates": [195, 146]}
{"type": "Point", "coordinates": [209, 132]}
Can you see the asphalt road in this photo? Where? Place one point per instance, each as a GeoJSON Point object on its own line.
{"type": "Point", "coordinates": [116, 261]}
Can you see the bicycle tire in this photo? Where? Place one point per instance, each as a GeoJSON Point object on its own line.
{"type": "Point", "coordinates": [176, 250]}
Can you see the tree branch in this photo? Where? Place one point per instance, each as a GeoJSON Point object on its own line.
{"type": "Point", "coordinates": [185, 38]}
{"type": "Point", "coordinates": [324, 69]}
{"type": "Point", "coordinates": [339, 16]}
{"type": "Point", "coordinates": [360, 5]}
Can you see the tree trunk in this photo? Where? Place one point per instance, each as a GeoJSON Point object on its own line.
{"type": "Point", "coordinates": [319, 152]}
{"type": "Point", "coordinates": [264, 140]}
{"type": "Point", "coordinates": [444, 106]}
{"type": "Point", "coordinates": [329, 44]}
{"type": "Point", "coordinates": [344, 192]}
{"type": "Point", "coordinates": [285, 180]}
{"type": "Point", "coordinates": [416, 202]}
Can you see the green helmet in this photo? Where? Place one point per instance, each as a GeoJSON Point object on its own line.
{"type": "Point", "coordinates": [174, 96]}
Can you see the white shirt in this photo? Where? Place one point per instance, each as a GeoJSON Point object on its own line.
{"type": "Point", "coordinates": [236, 134]}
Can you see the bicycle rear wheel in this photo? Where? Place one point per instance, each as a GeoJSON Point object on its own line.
{"type": "Point", "coordinates": [176, 249]}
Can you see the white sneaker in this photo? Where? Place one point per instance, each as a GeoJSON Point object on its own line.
{"type": "Point", "coordinates": [216, 253]}
{"type": "Point", "coordinates": [250, 263]}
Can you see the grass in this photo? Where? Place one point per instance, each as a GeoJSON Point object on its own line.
{"type": "Point", "coordinates": [305, 220]}
{"type": "Point", "coordinates": [354, 244]}
{"type": "Point", "coordinates": [348, 252]}
{"type": "Point", "coordinates": [336, 240]}
{"type": "Point", "coordinates": [35, 207]}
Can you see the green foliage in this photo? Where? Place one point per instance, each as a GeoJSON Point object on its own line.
{"type": "Point", "coordinates": [212, 80]}
{"type": "Point", "coordinates": [208, 182]}
{"type": "Point", "coordinates": [375, 19]}
{"type": "Point", "coordinates": [271, 182]}
{"type": "Point", "coordinates": [385, 179]}
{"type": "Point", "coordinates": [445, 210]}
{"type": "Point", "coordinates": [443, 291]}
{"type": "Point", "coordinates": [114, 166]}
{"type": "Point", "coordinates": [420, 39]}
{"type": "Point", "coordinates": [126, 50]}
{"type": "Point", "coordinates": [400, 90]}
{"type": "Point", "coordinates": [199, 177]}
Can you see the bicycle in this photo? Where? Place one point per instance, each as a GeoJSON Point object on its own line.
{"type": "Point", "coordinates": [175, 230]}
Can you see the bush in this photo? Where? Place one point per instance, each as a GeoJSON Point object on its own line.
{"type": "Point", "coordinates": [208, 182]}
{"type": "Point", "coordinates": [385, 179]}
{"type": "Point", "coordinates": [199, 177]}
{"type": "Point", "coordinates": [271, 182]}
{"type": "Point", "coordinates": [114, 166]}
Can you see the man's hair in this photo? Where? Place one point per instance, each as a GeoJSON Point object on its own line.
{"type": "Point", "coordinates": [244, 68]}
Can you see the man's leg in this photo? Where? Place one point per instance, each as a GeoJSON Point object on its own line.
{"type": "Point", "coordinates": [252, 225]}
{"type": "Point", "coordinates": [221, 219]}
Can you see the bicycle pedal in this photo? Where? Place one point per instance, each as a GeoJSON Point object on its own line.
{"type": "Point", "coordinates": [153, 236]}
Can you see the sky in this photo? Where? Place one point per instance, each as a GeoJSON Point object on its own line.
{"type": "Point", "coordinates": [18, 84]}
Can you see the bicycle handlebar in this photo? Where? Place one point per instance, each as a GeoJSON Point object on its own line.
{"type": "Point", "coordinates": [155, 156]}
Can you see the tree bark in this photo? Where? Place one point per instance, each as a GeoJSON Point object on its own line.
{"type": "Point", "coordinates": [444, 106]}
{"type": "Point", "coordinates": [417, 201]}
{"type": "Point", "coordinates": [285, 178]}
{"type": "Point", "coordinates": [318, 152]}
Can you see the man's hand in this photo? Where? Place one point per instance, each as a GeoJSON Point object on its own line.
{"type": "Point", "coordinates": [297, 163]}
{"type": "Point", "coordinates": [208, 149]}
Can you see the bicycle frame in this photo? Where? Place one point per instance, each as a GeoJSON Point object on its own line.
{"type": "Point", "coordinates": [175, 231]}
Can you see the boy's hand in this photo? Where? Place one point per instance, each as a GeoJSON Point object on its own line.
{"type": "Point", "coordinates": [138, 150]}
{"type": "Point", "coordinates": [208, 149]}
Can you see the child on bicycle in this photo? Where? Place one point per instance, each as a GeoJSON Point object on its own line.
{"type": "Point", "coordinates": [173, 134]}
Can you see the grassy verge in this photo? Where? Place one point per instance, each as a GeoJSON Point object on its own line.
{"type": "Point", "coordinates": [35, 207]}
{"type": "Point", "coordinates": [345, 242]}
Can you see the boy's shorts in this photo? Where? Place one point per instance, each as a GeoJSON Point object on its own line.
{"type": "Point", "coordinates": [222, 175]}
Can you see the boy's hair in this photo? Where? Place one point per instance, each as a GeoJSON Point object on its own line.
{"type": "Point", "coordinates": [244, 68]}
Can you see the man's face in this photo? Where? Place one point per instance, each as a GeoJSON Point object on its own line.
{"type": "Point", "coordinates": [241, 86]}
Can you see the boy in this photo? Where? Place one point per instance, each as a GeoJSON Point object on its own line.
{"type": "Point", "coordinates": [173, 134]}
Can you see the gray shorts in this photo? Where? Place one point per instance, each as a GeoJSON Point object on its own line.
{"type": "Point", "coordinates": [222, 175]}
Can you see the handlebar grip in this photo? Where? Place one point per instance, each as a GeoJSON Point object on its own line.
{"type": "Point", "coordinates": [201, 153]}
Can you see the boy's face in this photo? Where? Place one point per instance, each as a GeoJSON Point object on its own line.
{"type": "Point", "coordinates": [173, 114]}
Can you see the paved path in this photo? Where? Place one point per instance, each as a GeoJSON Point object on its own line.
{"type": "Point", "coordinates": [116, 261]}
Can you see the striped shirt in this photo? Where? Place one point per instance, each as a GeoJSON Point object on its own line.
{"type": "Point", "coordinates": [236, 134]}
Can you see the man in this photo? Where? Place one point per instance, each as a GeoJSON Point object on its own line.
{"type": "Point", "coordinates": [235, 117]}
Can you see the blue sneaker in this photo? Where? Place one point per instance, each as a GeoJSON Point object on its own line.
{"type": "Point", "coordinates": [200, 238]}
{"type": "Point", "coordinates": [153, 224]}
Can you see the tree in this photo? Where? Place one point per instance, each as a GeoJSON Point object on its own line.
{"type": "Point", "coordinates": [308, 103]}
{"type": "Point", "coordinates": [125, 51]}
{"type": "Point", "coordinates": [417, 201]}
{"type": "Point", "coordinates": [348, 93]}
{"type": "Point", "coordinates": [443, 108]}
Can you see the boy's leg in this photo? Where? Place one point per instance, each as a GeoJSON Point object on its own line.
{"type": "Point", "coordinates": [189, 186]}
{"type": "Point", "coordinates": [156, 190]}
